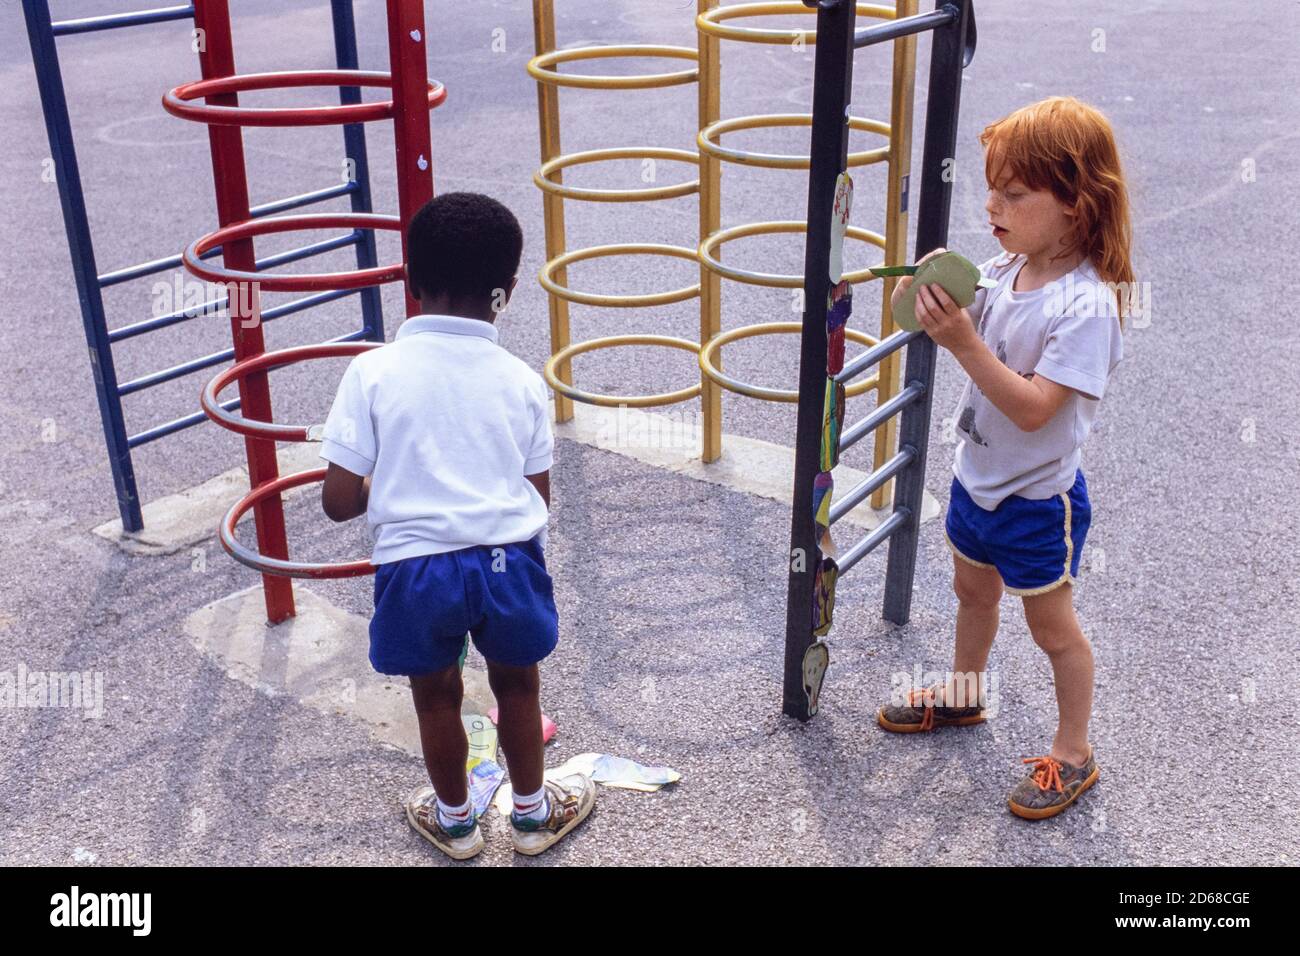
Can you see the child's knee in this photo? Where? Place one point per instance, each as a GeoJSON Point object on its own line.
{"type": "Point", "coordinates": [439, 690]}
{"type": "Point", "coordinates": [983, 591]}
{"type": "Point", "coordinates": [1059, 637]}
{"type": "Point", "coordinates": [509, 681]}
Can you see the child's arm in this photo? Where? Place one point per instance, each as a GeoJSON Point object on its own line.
{"type": "Point", "coordinates": [350, 446]}
{"type": "Point", "coordinates": [540, 453]}
{"type": "Point", "coordinates": [1029, 403]}
{"type": "Point", "coordinates": [344, 495]}
{"type": "Point", "coordinates": [542, 482]}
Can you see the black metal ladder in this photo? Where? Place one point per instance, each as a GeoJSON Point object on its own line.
{"type": "Point", "coordinates": [953, 26]}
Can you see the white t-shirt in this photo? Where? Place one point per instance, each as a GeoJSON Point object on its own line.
{"type": "Point", "coordinates": [447, 423]}
{"type": "Point", "coordinates": [1067, 331]}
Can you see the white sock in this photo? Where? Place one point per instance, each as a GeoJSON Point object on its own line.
{"type": "Point", "coordinates": [532, 806]}
{"type": "Point", "coordinates": [455, 816]}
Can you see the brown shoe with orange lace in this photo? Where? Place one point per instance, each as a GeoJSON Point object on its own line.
{"type": "Point", "coordinates": [1051, 786]}
{"type": "Point", "coordinates": [922, 712]}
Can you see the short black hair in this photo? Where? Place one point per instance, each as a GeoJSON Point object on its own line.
{"type": "Point", "coordinates": [464, 244]}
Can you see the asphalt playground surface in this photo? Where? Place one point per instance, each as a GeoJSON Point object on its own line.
{"type": "Point", "coordinates": [671, 591]}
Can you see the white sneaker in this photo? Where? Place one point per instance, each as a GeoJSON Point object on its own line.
{"type": "Point", "coordinates": [571, 799]}
{"type": "Point", "coordinates": [459, 843]}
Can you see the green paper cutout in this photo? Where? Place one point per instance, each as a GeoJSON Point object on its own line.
{"type": "Point", "coordinates": [951, 271]}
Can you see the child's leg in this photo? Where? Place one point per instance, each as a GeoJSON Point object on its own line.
{"type": "Point", "coordinates": [1056, 630]}
{"type": "Point", "coordinates": [442, 734]}
{"type": "Point", "coordinates": [520, 722]}
{"type": "Point", "coordinates": [979, 591]}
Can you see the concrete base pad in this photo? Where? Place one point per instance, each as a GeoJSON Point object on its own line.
{"type": "Point", "coordinates": [178, 521]}
{"type": "Point", "coordinates": [750, 465]}
{"type": "Point", "coordinates": [320, 659]}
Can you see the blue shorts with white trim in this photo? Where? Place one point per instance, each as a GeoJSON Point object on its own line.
{"type": "Point", "coordinates": [1033, 543]}
{"type": "Point", "coordinates": [501, 595]}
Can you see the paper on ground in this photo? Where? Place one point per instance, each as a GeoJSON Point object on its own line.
{"type": "Point", "coordinates": [606, 770]}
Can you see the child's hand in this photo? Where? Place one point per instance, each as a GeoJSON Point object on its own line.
{"type": "Point", "coordinates": [944, 320]}
{"type": "Point", "coordinates": [903, 283]}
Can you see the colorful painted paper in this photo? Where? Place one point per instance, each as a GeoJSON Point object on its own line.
{"type": "Point", "coordinates": [840, 223]}
{"type": "Point", "coordinates": [827, 545]}
{"type": "Point", "coordinates": [832, 421]}
{"type": "Point", "coordinates": [815, 661]}
{"type": "Point", "coordinates": [839, 305]}
{"type": "Point", "coordinates": [827, 572]}
{"type": "Point", "coordinates": [604, 769]}
{"type": "Point", "coordinates": [823, 485]}
{"type": "Point", "coordinates": [484, 779]}
{"type": "Point", "coordinates": [482, 739]}
{"type": "Point", "coordinates": [610, 771]}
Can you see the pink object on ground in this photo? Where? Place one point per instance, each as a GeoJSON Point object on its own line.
{"type": "Point", "coordinates": [548, 725]}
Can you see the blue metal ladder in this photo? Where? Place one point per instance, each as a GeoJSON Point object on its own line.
{"type": "Point", "coordinates": [42, 33]}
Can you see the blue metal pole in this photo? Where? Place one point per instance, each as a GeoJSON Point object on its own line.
{"type": "Point", "coordinates": [354, 143]}
{"type": "Point", "coordinates": [58, 127]}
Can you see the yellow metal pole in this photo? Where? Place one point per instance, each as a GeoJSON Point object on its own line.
{"type": "Point", "coordinates": [548, 121]}
{"type": "Point", "coordinates": [710, 221]}
{"type": "Point", "coordinates": [900, 164]}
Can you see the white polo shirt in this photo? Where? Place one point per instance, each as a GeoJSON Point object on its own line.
{"type": "Point", "coordinates": [447, 423]}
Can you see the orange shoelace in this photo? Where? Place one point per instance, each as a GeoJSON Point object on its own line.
{"type": "Point", "coordinates": [1047, 773]}
{"type": "Point", "coordinates": [923, 697]}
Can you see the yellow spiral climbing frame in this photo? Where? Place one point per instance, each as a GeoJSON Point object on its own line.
{"type": "Point", "coordinates": [714, 23]}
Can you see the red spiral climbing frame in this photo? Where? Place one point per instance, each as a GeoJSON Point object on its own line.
{"type": "Point", "coordinates": [413, 95]}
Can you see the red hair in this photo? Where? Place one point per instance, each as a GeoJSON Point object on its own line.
{"type": "Point", "coordinates": [1067, 146]}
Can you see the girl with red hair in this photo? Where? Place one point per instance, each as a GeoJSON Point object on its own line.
{"type": "Point", "coordinates": [1038, 346]}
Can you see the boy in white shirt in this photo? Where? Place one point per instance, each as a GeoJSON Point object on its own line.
{"type": "Point", "coordinates": [443, 440]}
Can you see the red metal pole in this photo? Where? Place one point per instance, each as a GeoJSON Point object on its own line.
{"type": "Point", "coordinates": [217, 59]}
{"type": "Point", "coordinates": [410, 68]}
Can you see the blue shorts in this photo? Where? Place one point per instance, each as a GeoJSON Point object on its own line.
{"type": "Point", "coordinates": [1034, 544]}
{"type": "Point", "coordinates": [500, 594]}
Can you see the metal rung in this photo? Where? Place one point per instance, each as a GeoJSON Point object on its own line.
{"type": "Point", "coordinates": [161, 431]}
{"type": "Point", "coordinates": [175, 425]}
{"type": "Point", "coordinates": [858, 430]}
{"type": "Point", "coordinates": [349, 336]}
{"type": "Point", "coordinates": [306, 252]}
{"type": "Point", "coordinates": [320, 298]}
{"type": "Point", "coordinates": [211, 307]}
{"type": "Point", "coordinates": [270, 262]}
{"type": "Point", "coordinates": [140, 270]}
{"type": "Point", "coordinates": [114, 20]}
{"type": "Point", "coordinates": [905, 456]}
{"type": "Point", "coordinates": [303, 199]}
{"type": "Point", "coordinates": [216, 358]}
{"type": "Point", "coordinates": [171, 262]}
{"type": "Point", "coordinates": [868, 544]}
{"type": "Point", "coordinates": [869, 36]}
{"type": "Point", "coordinates": [860, 363]}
